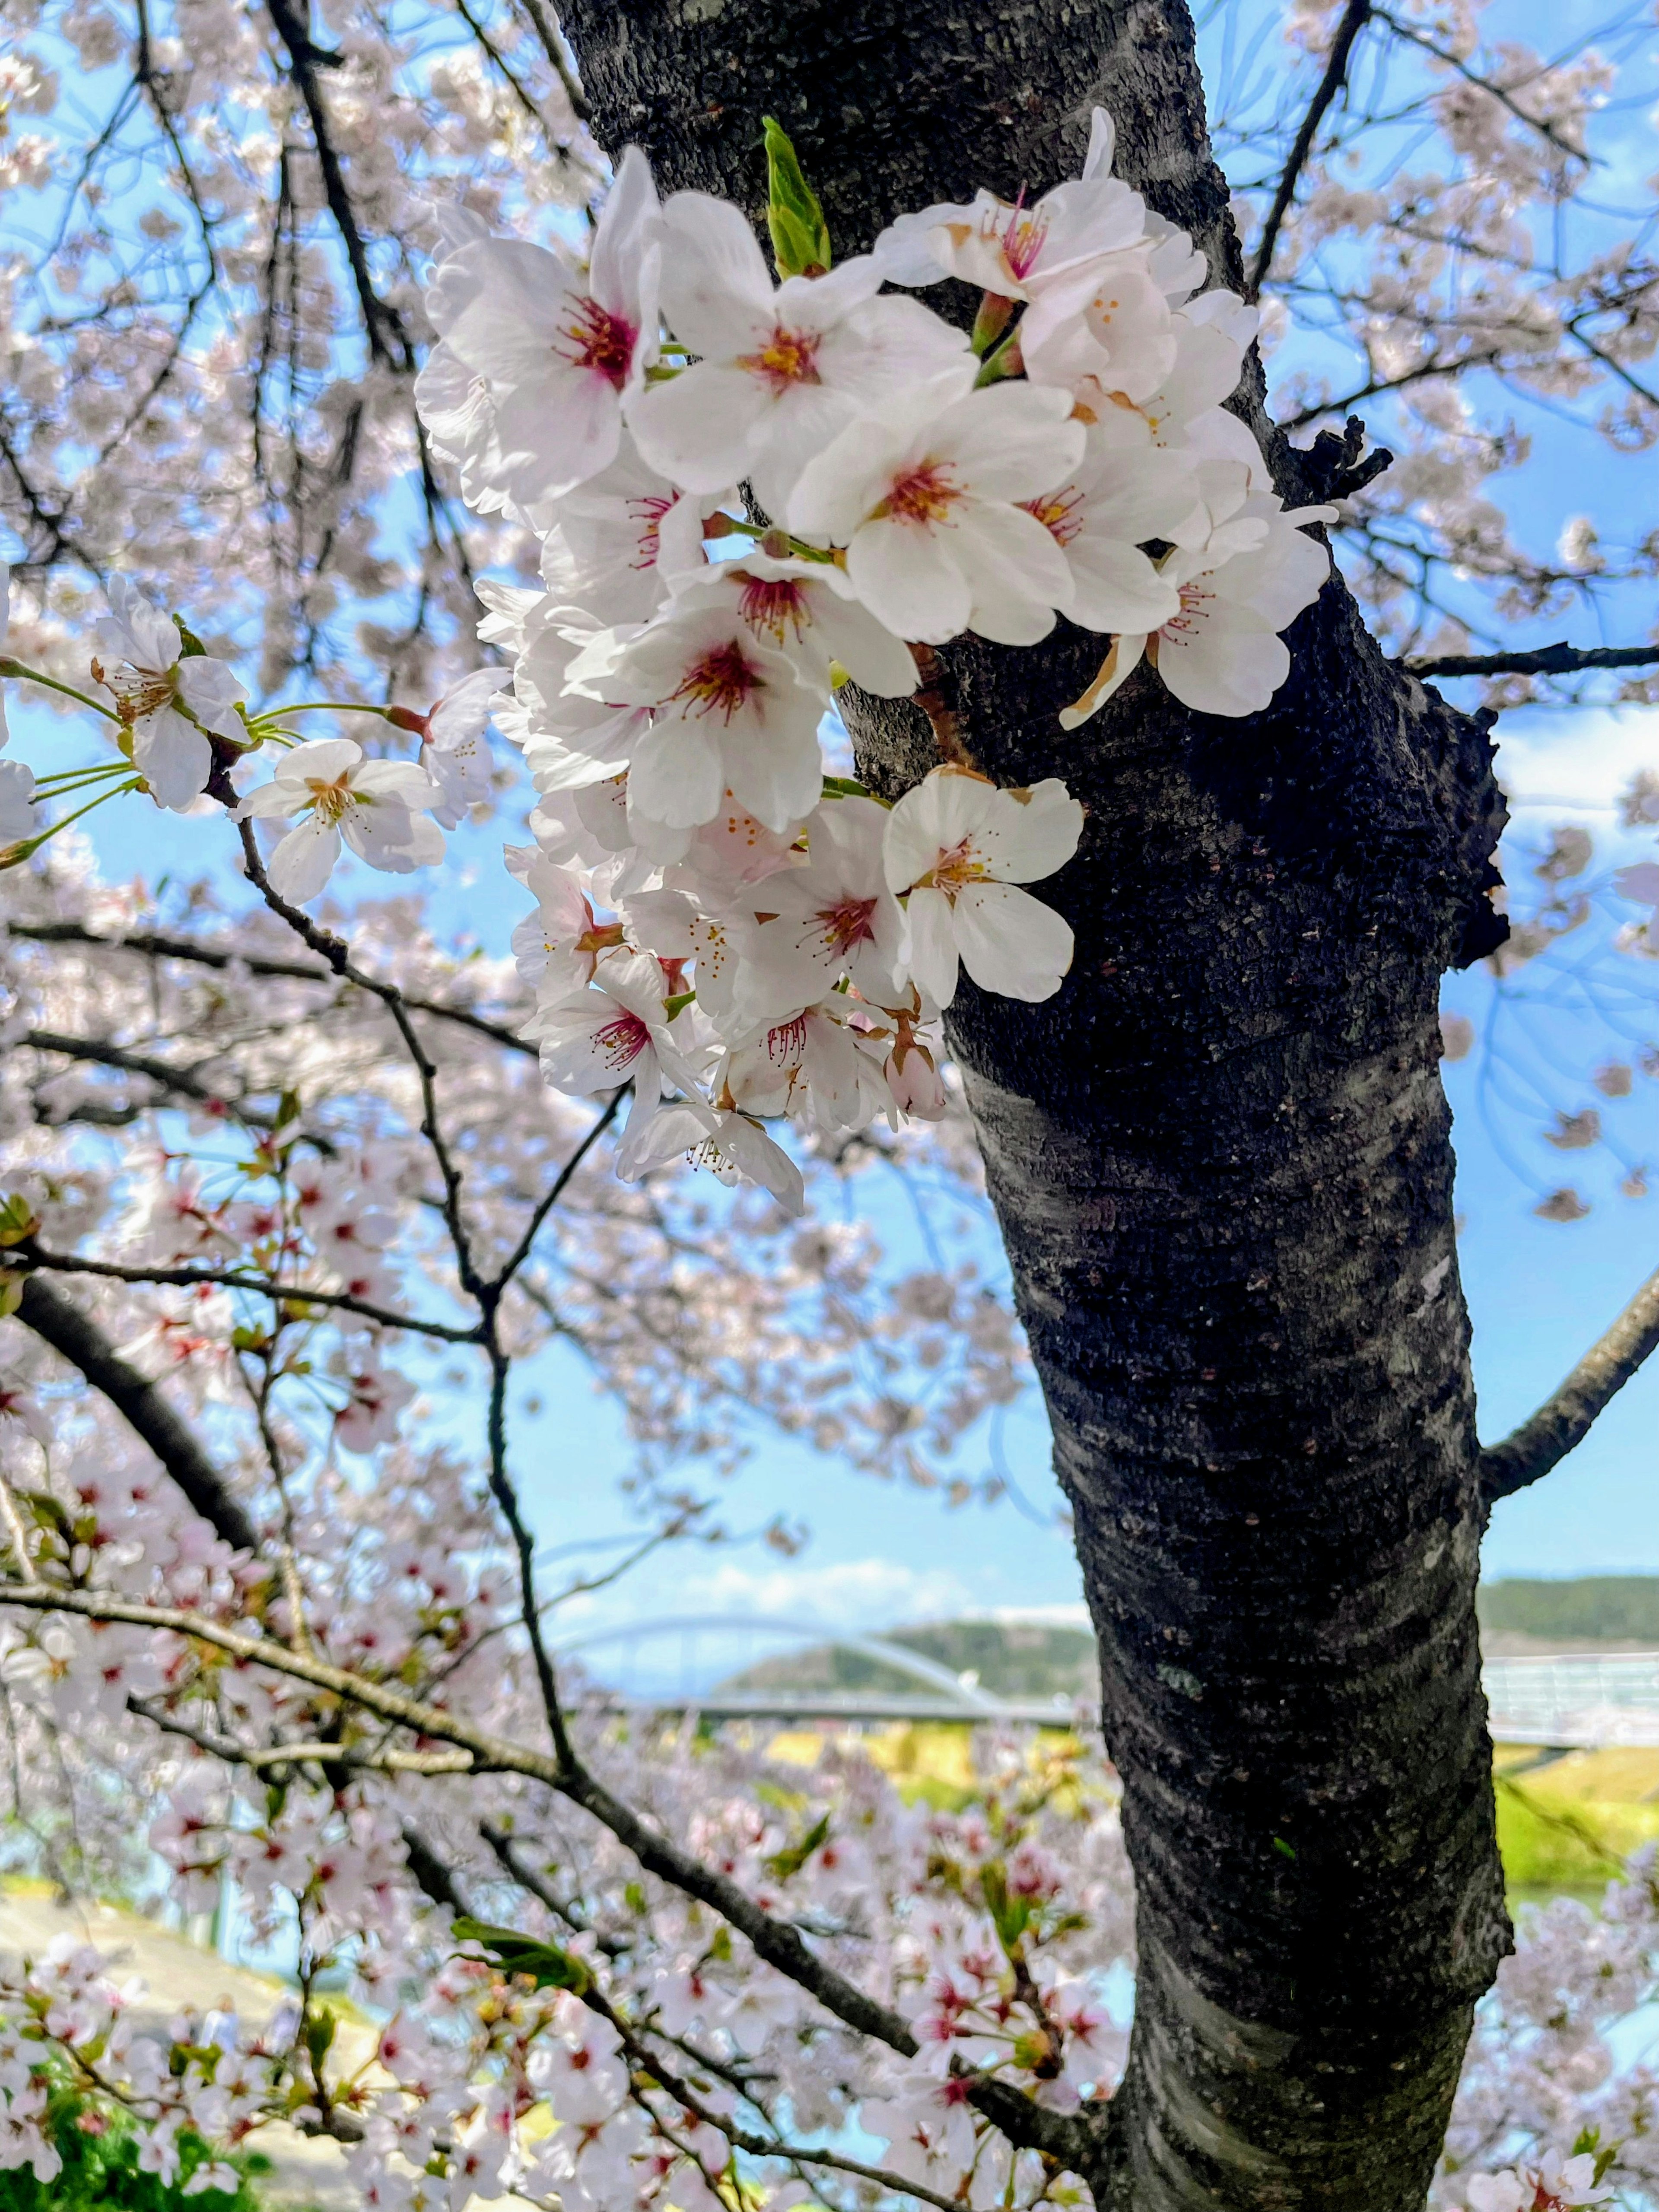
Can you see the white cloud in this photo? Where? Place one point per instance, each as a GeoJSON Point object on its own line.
{"type": "Point", "coordinates": [849, 1593]}
{"type": "Point", "coordinates": [1574, 761]}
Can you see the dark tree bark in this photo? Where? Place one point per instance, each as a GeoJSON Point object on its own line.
{"type": "Point", "coordinates": [1220, 1159]}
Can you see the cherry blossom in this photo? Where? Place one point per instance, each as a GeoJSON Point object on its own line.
{"type": "Point", "coordinates": [1220, 653]}
{"type": "Point", "coordinates": [926, 497]}
{"type": "Point", "coordinates": [1115, 500]}
{"type": "Point", "coordinates": [728, 712]}
{"type": "Point", "coordinates": [620, 1031]}
{"type": "Point", "coordinates": [456, 749]}
{"type": "Point", "coordinates": [730, 1143]}
{"type": "Point", "coordinates": [959, 848]}
{"type": "Point", "coordinates": [561, 350]}
{"type": "Point", "coordinates": [833, 915]}
{"type": "Point", "coordinates": [168, 700]}
{"type": "Point", "coordinates": [378, 806]}
{"type": "Point", "coordinates": [16, 799]}
{"type": "Point", "coordinates": [626, 539]}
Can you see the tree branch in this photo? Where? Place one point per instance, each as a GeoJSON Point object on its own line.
{"type": "Point", "coordinates": [1355, 16]}
{"type": "Point", "coordinates": [1561, 659]}
{"type": "Point", "coordinates": [59, 1321]}
{"type": "Point", "coordinates": [388, 340]}
{"type": "Point", "coordinates": [231, 1278]}
{"type": "Point", "coordinates": [1567, 1416]}
{"type": "Point", "coordinates": [156, 947]}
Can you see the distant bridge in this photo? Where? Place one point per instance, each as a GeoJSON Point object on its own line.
{"type": "Point", "coordinates": [687, 1662]}
{"type": "Point", "coordinates": [1575, 1700]}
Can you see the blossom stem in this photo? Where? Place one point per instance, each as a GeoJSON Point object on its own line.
{"type": "Point", "coordinates": [78, 778]}
{"type": "Point", "coordinates": [991, 321]}
{"type": "Point", "coordinates": [17, 668]}
{"type": "Point", "coordinates": [1006, 360]}
{"type": "Point", "coordinates": [316, 706]}
{"type": "Point", "coordinates": [15, 855]}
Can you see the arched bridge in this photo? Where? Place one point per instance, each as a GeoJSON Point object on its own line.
{"type": "Point", "coordinates": [698, 1661]}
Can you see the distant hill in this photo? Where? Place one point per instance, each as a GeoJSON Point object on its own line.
{"type": "Point", "coordinates": [1593, 1609]}
{"type": "Point", "coordinates": [1032, 1659]}
{"type": "Point", "coordinates": [1011, 1659]}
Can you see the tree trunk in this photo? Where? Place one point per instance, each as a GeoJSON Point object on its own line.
{"type": "Point", "coordinates": [1220, 1159]}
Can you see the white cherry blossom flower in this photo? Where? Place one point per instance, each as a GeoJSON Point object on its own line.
{"type": "Point", "coordinates": [380, 808]}
{"type": "Point", "coordinates": [455, 748]}
{"type": "Point", "coordinates": [167, 700]}
{"type": "Point", "coordinates": [16, 800]}
{"type": "Point", "coordinates": [832, 916]}
{"type": "Point", "coordinates": [727, 712]}
{"type": "Point", "coordinates": [730, 1144]}
{"type": "Point", "coordinates": [1185, 411]}
{"type": "Point", "coordinates": [927, 499]}
{"type": "Point", "coordinates": [571, 730]}
{"type": "Point", "coordinates": [929, 2128]}
{"type": "Point", "coordinates": [625, 539]}
{"type": "Point", "coordinates": [811, 1066]}
{"type": "Point", "coordinates": [808, 611]}
{"type": "Point", "coordinates": [557, 948]}
{"type": "Point", "coordinates": [619, 1031]}
{"type": "Point", "coordinates": [561, 350]}
{"type": "Point", "coordinates": [1013, 250]}
{"type": "Point", "coordinates": [960, 847]}
{"type": "Point", "coordinates": [1219, 653]}
{"type": "Point", "coordinates": [1555, 2185]}
{"type": "Point", "coordinates": [1115, 500]}
{"type": "Point", "coordinates": [782, 370]}
{"type": "Point", "coordinates": [1117, 334]}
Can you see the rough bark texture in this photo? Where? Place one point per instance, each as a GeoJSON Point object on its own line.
{"type": "Point", "coordinates": [1220, 1161]}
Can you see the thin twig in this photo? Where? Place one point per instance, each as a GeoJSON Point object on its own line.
{"type": "Point", "coordinates": [1566, 1417]}
{"type": "Point", "coordinates": [233, 1279]}
{"type": "Point", "coordinates": [1355, 16]}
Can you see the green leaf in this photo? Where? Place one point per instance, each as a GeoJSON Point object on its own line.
{"type": "Point", "coordinates": [190, 647]}
{"type": "Point", "coordinates": [1285, 1850]}
{"type": "Point", "coordinates": [1011, 1915]}
{"type": "Point", "coordinates": [548, 1967]}
{"type": "Point", "coordinates": [793, 1857]}
{"type": "Point", "coordinates": [18, 1218]}
{"type": "Point", "coordinates": [800, 237]}
{"type": "Point", "coordinates": [11, 1294]}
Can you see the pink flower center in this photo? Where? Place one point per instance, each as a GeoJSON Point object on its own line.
{"type": "Point", "coordinates": [1060, 513]}
{"type": "Point", "coordinates": [786, 1044]}
{"type": "Point", "coordinates": [721, 682]}
{"type": "Point", "coordinates": [923, 495]}
{"type": "Point", "coordinates": [650, 510]}
{"type": "Point", "coordinates": [848, 924]}
{"type": "Point", "coordinates": [777, 605]}
{"type": "Point", "coordinates": [1195, 613]}
{"type": "Point", "coordinates": [599, 340]}
{"type": "Point", "coordinates": [789, 357]}
{"type": "Point", "coordinates": [622, 1039]}
{"type": "Point", "coordinates": [956, 867]}
{"type": "Point", "coordinates": [1019, 233]}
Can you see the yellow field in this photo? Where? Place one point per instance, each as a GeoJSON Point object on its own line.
{"type": "Point", "coordinates": [1568, 1824]}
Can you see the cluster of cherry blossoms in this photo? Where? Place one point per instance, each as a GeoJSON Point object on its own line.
{"type": "Point", "coordinates": [717, 919]}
